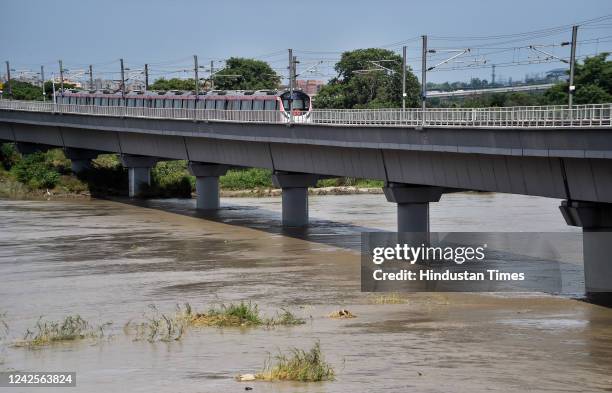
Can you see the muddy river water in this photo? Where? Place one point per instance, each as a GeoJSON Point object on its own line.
{"type": "Point", "coordinates": [109, 260]}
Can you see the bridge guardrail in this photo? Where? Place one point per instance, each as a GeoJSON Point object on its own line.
{"type": "Point", "coordinates": [593, 115]}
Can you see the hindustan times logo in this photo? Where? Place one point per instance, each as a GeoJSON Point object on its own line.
{"type": "Point", "coordinates": [422, 253]}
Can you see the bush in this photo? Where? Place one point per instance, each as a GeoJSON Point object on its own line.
{"type": "Point", "coordinates": [107, 176]}
{"type": "Point", "coordinates": [350, 181]}
{"type": "Point", "coordinates": [36, 171]}
{"type": "Point", "coordinates": [171, 179]}
{"type": "Point", "coordinates": [8, 155]}
{"type": "Point", "coordinates": [243, 179]}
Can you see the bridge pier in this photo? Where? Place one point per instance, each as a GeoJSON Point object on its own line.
{"type": "Point", "coordinates": [80, 159]}
{"type": "Point", "coordinates": [596, 222]}
{"type": "Point", "coordinates": [412, 205]}
{"type": "Point", "coordinates": [294, 196]}
{"type": "Point", "coordinates": [207, 184]}
{"type": "Point", "coordinates": [139, 172]}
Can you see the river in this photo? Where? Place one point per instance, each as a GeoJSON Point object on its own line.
{"type": "Point", "coordinates": [109, 260]}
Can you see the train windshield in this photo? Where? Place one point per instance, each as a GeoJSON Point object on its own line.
{"type": "Point", "coordinates": [301, 101]}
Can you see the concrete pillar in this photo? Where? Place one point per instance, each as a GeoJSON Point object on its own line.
{"type": "Point", "coordinates": [412, 205]}
{"type": "Point", "coordinates": [207, 184]}
{"type": "Point", "coordinates": [596, 222]}
{"type": "Point", "coordinates": [139, 172]}
{"type": "Point", "coordinates": [294, 196]}
{"type": "Point", "coordinates": [80, 158]}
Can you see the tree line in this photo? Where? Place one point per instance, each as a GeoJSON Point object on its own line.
{"type": "Point", "coordinates": [372, 78]}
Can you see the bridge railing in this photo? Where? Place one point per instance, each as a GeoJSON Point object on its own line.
{"type": "Point", "coordinates": [593, 115]}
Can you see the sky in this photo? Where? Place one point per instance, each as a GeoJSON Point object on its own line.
{"type": "Point", "coordinates": [166, 34]}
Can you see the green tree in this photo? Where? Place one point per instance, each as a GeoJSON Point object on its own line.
{"type": "Point", "coordinates": [49, 89]}
{"type": "Point", "coordinates": [246, 74]}
{"type": "Point", "coordinates": [593, 81]}
{"type": "Point", "coordinates": [368, 78]}
{"type": "Point", "coordinates": [173, 84]}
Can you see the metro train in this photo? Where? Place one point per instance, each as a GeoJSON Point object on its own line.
{"type": "Point", "coordinates": [237, 100]}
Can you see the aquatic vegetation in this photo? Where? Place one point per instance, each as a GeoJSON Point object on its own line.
{"type": "Point", "coordinates": [285, 318]}
{"type": "Point", "coordinates": [242, 314]}
{"type": "Point", "coordinates": [298, 365]}
{"type": "Point", "coordinates": [4, 328]}
{"type": "Point", "coordinates": [391, 298]}
{"type": "Point", "coordinates": [342, 314]}
{"type": "Point", "coordinates": [158, 326]}
{"type": "Point", "coordinates": [71, 328]}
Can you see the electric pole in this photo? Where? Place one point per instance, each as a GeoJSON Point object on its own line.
{"type": "Point", "coordinates": [493, 75]}
{"type": "Point", "coordinates": [61, 69]}
{"type": "Point", "coordinates": [295, 62]}
{"type": "Point", "coordinates": [291, 85]}
{"type": "Point", "coordinates": [42, 82]}
{"type": "Point", "coordinates": [91, 85]}
{"type": "Point", "coordinates": [424, 78]}
{"type": "Point", "coordinates": [8, 80]}
{"type": "Point", "coordinates": [197, 82]}
{"type": "Point", "coordinates": [146, 72]}
{"type": "Point", "coordinates": [572, 88]}
{"type": "Point", "coordinates": [212, 72]}
{"type": "Point", "coordinates": [404, 78]}
{"type": "Point", "coordinates": [122, 81]}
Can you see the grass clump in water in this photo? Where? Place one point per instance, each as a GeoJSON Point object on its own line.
{"type": "Point", "coordinates": [298, 365]}
{"type": "Point", "coordinates": [285, 318]}
{"type": "Point", "coordinates": [242, 314]}
{"type": "Point", "coordinates": [4, 328]}
{"type": "Point", "coordinates": [71, 328]}
{"type": "Point", "coordinates": [392, 298]}
{"type": "Point", "coordinates": [158, 326]}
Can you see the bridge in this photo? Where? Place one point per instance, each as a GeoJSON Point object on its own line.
{"type": "Point", "coordinates": [491, 90]}
{"type": "Point", "coordinates": [549, 151]}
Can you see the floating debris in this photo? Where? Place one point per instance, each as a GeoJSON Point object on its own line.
{"type": "Point", "coordinates": [342, 314]}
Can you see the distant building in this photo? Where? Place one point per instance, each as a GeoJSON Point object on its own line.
{"type": "Point", "coordinates": [310, 86]}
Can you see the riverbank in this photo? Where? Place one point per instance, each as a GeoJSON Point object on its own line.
{"type": "Point", "coordinates": [276, 192]}
{"type": "Point", "coordinates": [48, 175]}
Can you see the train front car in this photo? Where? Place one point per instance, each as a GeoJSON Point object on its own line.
{"type": "Point", "coordinates": [299, 103]}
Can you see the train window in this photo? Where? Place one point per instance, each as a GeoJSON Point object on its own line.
{"type": "Point", "coordinates": [130, 102]}
{"type": "Point", "coordinates": [210, 104]}
{"type": "Point", "coordinates": [140, 102]}
{"type": "Point", "coordinates": [97, 101]}
{"type": "Point", "coordinates": [246, 105]}
{"type": "Point", "coordinates": [191, 104]}
{"type": "Point", "coordinates": [105, 101]}
{"type": "Point", "coordinates": [258, 105]}
{"type": "Point", "coordinates": [177, 103]}
{"type": "Point", "coordinates": [220, 104]}
{"type": "Point", "coordinates": [270, 105]}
